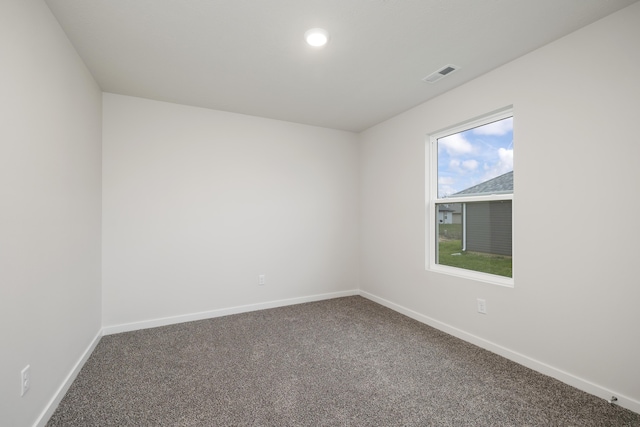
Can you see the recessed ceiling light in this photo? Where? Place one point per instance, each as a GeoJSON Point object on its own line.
{"type": "Point", "coordinates": [316, 37]}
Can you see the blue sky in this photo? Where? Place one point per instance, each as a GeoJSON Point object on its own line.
{"type": "Point", "coordinates": [474, 156]}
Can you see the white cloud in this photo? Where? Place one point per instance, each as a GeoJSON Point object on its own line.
{"type": "Point", "coordinates": [455, 145]}
{"type": "Point", "coordinates": [446, 180]}
{"type": "Point", "coordinates": [470, 165]}
{"type": "Point", "coordinates": [502, 166]}
{"type": "Point", "coordinates": [446, 190]}
{"type": "Point", "coordinates": [506, 159]}
{"type": "Point", "coordinates": [501, 127]}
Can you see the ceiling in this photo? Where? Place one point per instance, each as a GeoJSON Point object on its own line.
{"type": "Point", "coordinates": [249, 56]}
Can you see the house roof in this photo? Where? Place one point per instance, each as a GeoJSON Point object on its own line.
{"type": "Point", "coordinates": [445, 208]}
{"type": "Point", "coordinates": [497, 185]}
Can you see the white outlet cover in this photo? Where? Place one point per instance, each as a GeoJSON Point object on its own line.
{"type": "Point", "coordinates": [482, 306]}
{"type": "Point", "coordinates": [25, 380]}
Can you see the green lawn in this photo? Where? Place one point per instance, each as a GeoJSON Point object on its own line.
{"type": "Point", "coordinates": [450, 231]}
{"type": "Point", "coordinates": [450, 253]}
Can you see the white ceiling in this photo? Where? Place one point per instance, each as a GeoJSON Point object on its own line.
{"type": "Point", "coordinates": [249, 56]}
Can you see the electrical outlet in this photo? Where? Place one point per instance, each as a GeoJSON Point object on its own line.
{"type": "Point", "coordinates": [482, 306]}
{"type": "Point", "coordinates": [261, 280]}
{"type": "Point", "coordinates": [25, 380]}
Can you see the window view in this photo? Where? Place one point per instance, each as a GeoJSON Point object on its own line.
{"type": "Point", "coordinates": [471, 202]}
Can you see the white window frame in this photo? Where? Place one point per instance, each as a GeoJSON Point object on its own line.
{"type": "Point", "coordinates": [433, 200]}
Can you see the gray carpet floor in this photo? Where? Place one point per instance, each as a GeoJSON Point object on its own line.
{"type": "Point", "coordinates": [340, 362]}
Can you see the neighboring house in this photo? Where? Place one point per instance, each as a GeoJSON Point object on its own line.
{"type": "Point", "coordinates": [486, 226]}
{"type": "Point", "coordinates": [450, 214]}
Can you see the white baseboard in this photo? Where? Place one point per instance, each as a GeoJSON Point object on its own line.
{"type": "Point", "coordinates": [64, 387]}
{"type": "Point", "coordinates": [579, 383]}
{"type": "Point", "coordinates": [108, 330]}
{"type": "Point", "coordinates": [153, 323]}
{"type": "Point", "coordinates": [543, 368]}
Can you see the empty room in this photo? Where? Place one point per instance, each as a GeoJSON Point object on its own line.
{"type": "Point", "coordinates": [323, 212]}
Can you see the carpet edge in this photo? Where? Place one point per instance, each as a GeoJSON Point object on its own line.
{"type": "Point", "coordinates": [541, 367]}
{"type": "Point", "coordinates": [210, 314]}
{"type": "Point", "coordinates": [55, 400]}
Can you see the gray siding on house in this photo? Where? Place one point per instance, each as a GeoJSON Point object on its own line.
{"type": "Point", "coordinates": [489, 227]}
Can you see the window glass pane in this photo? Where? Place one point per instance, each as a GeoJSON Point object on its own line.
{"type": "Point", "coordinates": [475, 236]}
{"type": "Point", "coordinates": [476, 161]}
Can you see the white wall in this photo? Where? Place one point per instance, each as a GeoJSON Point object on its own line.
{"type": "Point", "coordinates": [50, 131]}
{"type": "Point", "coordinates": [574, 309]}
{"type": "Point", "coordinates": [197, 203]}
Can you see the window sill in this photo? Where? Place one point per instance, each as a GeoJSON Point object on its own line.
{"type": "Point", "coordinates": [472, 275]}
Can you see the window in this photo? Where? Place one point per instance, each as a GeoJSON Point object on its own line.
{"type": "Point", "coordinates": [470, 230]}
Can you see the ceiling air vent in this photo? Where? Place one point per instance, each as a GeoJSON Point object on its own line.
{"type": "Point", "coordinates": [442, 72]}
